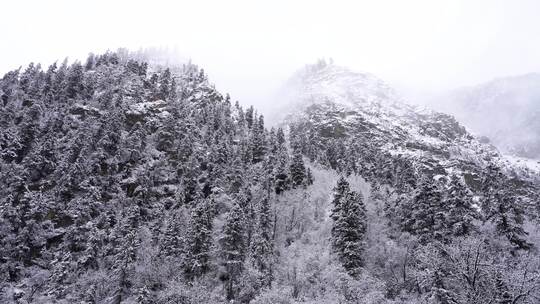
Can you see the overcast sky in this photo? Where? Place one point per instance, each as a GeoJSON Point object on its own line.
{"type": "Point", "coordinates": [250, 47]}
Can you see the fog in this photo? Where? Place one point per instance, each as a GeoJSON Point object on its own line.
{"type": "Point", "coordinates": [249, 48]}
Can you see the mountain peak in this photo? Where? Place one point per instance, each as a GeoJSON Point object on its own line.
{"type": "Point", "coordinates": [325, 82]}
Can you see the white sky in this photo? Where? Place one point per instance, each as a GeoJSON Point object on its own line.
{"type": "Point", "coordinates": [250, 47]}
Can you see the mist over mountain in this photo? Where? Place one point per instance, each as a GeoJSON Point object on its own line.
{"type": "Point", "coordinates": [505, 110]}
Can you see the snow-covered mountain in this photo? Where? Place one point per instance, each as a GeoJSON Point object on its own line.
{"type": "Point", "coordinates": [127, 181]}
{"type": "Point", "coordinates": [335, 102]}
{"type": "Point", "coordinates": [506, 110]}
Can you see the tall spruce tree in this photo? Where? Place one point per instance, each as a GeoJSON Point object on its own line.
{"type": "Point", "coordinates": [501, 206]}
{"type": "Point", "coordinates": [233, 249]}
{"type": "Point", "coordinates": [340, 190]}
{"type": "Point", "coordinates": [199, 241]}
{"type": "Point", "coordinates": [349, 228]}
{"type": "Point", "coordinates": [508, 218]}
{"type": "Point", "coordinates": [459, 203]}
{"type": "Point", "coordinates": [262, 247]}
{"type": "Point", "coordinates": [423, 215]}
{"type": "Point", "coordinates": [281, 175]}
{"type": "Point", "coordinates": [258, 140]}
{"type": "Point", "coordinates": [297, 169]}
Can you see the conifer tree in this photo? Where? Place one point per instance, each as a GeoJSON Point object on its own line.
{"type": "Point", "coordinates": [280, 137]}
{"type": "Point", "coordinates": [250, 117]}
{"type": "Point", "coordinates": [492, 182]}
{"type": "Point", "coordinates": [199, 241]}
{"type": "Point", "coordinates": [281, 176]}
{"type": "Point", "coordinates": [340, 190]}
{"type": "Point", "coordinates": [165, 84]}
{"type": "Point", "coordinates": [508, 218]}
{"type": "Point", "coordinates": [458, 202]}
{"type": "Point", "coordinates": [90, 62]}
{"type": "Point", "coordinates": [501, 207]}
{"type": "Point", "coordinates": [309, 177]}
{"type": "Point", "coordinates": [349, 229]}
{"type": "Point", "coordinates": [297, 169]}
{"type": "Point", "coordinates": [262, 248]}
{"type": "Point", "coordinates": [172, 243]}
{"type": "Point", "coordinates": [74, 80]}
{"type": "Point", "coordinates": [258, 141]}
{"type": "Point", "coordinates": [233, 248]}
{"type": "Point", "coordinates": [423, 215]}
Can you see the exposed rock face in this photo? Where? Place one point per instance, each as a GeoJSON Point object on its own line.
{"type": "Point", "coordinates": [331, 103]}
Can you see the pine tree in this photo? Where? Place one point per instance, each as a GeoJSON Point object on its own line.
{"type": "Point", "coordinates": [258, 141]}
{"type": "Point", "coordinates": [172, 242]}
{"type": "Point", "coordinates": [281, 176]}
{"type": "Point", "coordinates": [262, 248]}
{"type": "Point", "coordinates": [280, 137]}
{"type": "Point", "coordinates": [297, 169]}
{"type": "Point", "coordinates": [74, 80]}
{"type": "Point", "coordinates": [232, 245]}
{"type": "Point", "coordinates": [340, 190]}
{"type": "Point", "coordinates": [199, 241]}
{"type": "Point", "coordinates": [348, 231]}
{"type": "Point", "coordinates": [126, 244]}
{"type": "Point", "coordinates": [165, 84]}
{"type": "Point", "coordinates": [492, 182]}
{"type": "Point", "coordinates": [90, 62]}
{"type": "Point", "coordinates": [501, 207]}
{"type": "Point", "coordinates": [309, 177]}
{"type": "Point", "coordinates": [508, 219]}
{"type": "Point", "coordinates": [250, 117]}
{"type": "Point", "coordinates": [423, 215]}
{"type": "Point", "coordinates": [461, 214]}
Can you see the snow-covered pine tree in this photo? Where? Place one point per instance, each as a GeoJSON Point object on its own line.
{"type": "Point", "coordinates": [258, 140]}
{"type": "Point", "coordinates": [233, 250]}
{"type": "Point", "coordinates": [423, 215]}
{"type": "Point", "coordinates": [250, 117]}
{"type": "Point", "coordinates": [172, 241]}
{"type": "Point", "coordinates": [349, 232]}
{"type": "Point", "coordinates": [459, 203]}
{"type": "Point", "coordinates": [74, 80]}
{"type": "Point", "coordinates": [165, 84]}
{"type": "Point", "coordinates": [502, 207]}
{"type": "Point", "coordinates": [263, 248]}
{"type": "Point", "coordinates": [340, 190]}
{"type": "Point", "coordinates": [508, 218]}
{"type": "Point", "coordinates": [199, 241]}
{"type": "Point", "coordinates": [492, 181]}
{"type": "Point", "coordinates": [281, 172]}
{"type": "Point", "coordinates": [309, 177]}
{"type": "Point", "coordinates": [297, 169]}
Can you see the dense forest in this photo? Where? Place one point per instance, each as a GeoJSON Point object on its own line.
{"type": "Point", "coordinates": [124, 181]}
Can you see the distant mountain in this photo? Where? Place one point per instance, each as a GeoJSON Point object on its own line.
{"type": "Point", "coordinates": [333, 102]}
{"type": "Point", "coordinates": [506, 110]}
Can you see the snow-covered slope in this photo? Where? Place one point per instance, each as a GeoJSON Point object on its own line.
{"type": "Point", "coordinates": [338, 102]}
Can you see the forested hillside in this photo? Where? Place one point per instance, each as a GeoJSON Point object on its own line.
{"type": "Point", "coordinates": [124, 181]}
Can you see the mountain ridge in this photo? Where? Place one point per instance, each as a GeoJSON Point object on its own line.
{"type": "Point", "coordinates": [377, 104]}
